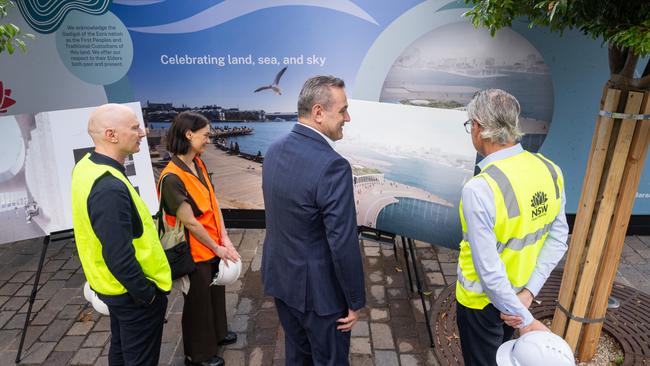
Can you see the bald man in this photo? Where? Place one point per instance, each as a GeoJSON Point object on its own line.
{"type": "Point", "coordinates": [117, 240]}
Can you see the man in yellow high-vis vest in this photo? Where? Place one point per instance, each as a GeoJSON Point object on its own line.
{"type": "Point", "coordinates": [117, 240]}
{"type": "Point", "coordinates": [514, 230]}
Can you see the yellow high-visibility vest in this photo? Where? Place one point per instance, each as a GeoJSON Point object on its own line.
{"type": "Point", "coordinates": [527, 197]}
{"type": "Point", "coordinates": [148, 251]}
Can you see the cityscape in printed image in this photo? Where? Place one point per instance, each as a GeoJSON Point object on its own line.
{"type": "Point", "coordinates": [407, 173]}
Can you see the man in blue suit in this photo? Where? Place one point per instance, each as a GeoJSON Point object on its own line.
{"type": "Point", "coordinates": [312, 263]}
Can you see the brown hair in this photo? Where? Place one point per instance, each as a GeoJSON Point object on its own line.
{"type": "Point", "coordinates": [177, 142]}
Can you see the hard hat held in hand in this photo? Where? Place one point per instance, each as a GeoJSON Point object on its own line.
{"type": "Point", "coordinates": [88, 292]}
{"type": "Point", "coordinates": [94, 300]}
{"type": "Point", "coordinates": [536, 348]}
{"type": "Point", "coordinates": [227, 275]}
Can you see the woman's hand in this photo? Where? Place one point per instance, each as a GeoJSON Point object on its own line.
{"type": "Point", "coordinates": [228, 244]}
{"type": "Point", "coordinates": [227, 254]}
{"type": "Point", "coordinates": [225, 240]}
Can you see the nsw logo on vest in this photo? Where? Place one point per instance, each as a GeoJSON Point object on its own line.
{"type": "Point", "coordinates": [539, 205]}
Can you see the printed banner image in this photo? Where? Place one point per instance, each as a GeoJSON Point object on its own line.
{"type": "Point", "coordinates": [410, 68]}
{"type": "Point", "coordinates": [409, 164]}
{"type": "Point", "coordinates": [445, 68]}
{"type": "Point", "coordinates": [21, 217]}
{"type": "Point", "coordinates": [38, 152]}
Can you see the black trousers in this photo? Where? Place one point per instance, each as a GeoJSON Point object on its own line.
{"type": "Point", "coordinates": [136, 332]}
{"type": "Point", "coordinates": [204, 314]}
{"type": "Point", "coordinates": [481, 333]}
{"type": "Point", "coordinates": [311, 339]}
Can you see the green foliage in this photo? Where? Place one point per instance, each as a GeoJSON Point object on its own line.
{"type": "Point", "coordinates": [433, 103]}
{"type": "Point", "coordinates": [10, 35]}
{"type": "Point", "coordinates": [621, 23]}
{"type": "Point", "coordinates": [365, 170]}
{"type": "Point", "coordinates": [619, 360]}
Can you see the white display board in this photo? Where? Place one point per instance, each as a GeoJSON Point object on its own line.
{"type": "Point", "coordinates": [39, 154]}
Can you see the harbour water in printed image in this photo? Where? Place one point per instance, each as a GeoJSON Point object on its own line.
{"type": "Point", "coordinates": [235, 155]}
{"type": "Point", "coordinates": [418, 198]}
{"type": "Point", "coordinates": [533, 91]}
{"type": "Point", "coordinates": [445, 67]}
{"type": "Point", "coordinates": [262, 136]}
{"type": "Point", "coordinates": [265, 133]}
{"type": "Point", "coordinates": [430, 222]}
{"type": "Point", "coordinates": [408, 163]}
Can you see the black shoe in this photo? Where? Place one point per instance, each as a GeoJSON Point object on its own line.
{"type": "Point", "coordinates": [231, 338]}
{"type": "Point", "coordinates": [213, 361]}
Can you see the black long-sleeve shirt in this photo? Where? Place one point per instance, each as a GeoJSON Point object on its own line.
{"type": "Point", "coordinates": [116, 222]}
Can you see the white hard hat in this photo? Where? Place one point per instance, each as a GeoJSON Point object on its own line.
{"type": "Point", "coordinates": [88, 292]}
{"type": "Point", "coordinates": [227, 275]}
{"type": "Point", "coordinates": [536, 348]}
{"type": "Point", "coordinates": [99, 305]}
{"type": "Point", "coordinates": [94, 300]}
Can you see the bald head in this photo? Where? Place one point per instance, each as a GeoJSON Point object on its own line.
{"type": "Point", "coordinates": [107, 116]}
{"type": "Point", "coordinates": [115, 130]}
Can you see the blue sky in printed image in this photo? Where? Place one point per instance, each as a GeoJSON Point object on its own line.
{"type": "Point", "coordinates": [342, 35]}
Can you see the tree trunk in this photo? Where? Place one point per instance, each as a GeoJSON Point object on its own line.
{"type": "Point", "coordinates": [616, 235]}
{"type": "Point", "coordinates": [617, 156]}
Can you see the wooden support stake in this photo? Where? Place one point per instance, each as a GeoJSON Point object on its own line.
{"type": "Point", "coordinates": [603, 219]}
{"type": "Point", "coordinates": [615, 240]}
{"type": "Point", "coordinates": [587, 201]}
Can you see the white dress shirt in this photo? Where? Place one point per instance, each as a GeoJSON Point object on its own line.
{"type": "Point", "coordinates": [329, 140]}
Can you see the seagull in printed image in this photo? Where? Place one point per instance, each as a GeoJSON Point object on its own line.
{"type": "Point", "coordinates": [275, 87]}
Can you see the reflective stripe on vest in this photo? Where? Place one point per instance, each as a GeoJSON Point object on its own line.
{"type": "Point", "coordinates": [527, 199]}
{"type": "Point", "coordinates": [206, 201]}
{"type": "Point", "coordinates": [506, 188]}
{"type": "Point", "coordinates": [553, 172]}
{"type": "Point", "coordinates": [147, 248]}
{"type": "Point", "coordinates": [475, 286]}
{"type": "Point", "coordinates": [520, 243]}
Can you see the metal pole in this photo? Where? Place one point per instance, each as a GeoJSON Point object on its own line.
{"type": "Point", "coordinates": [395, 249]}
{"type": "Point", "coordinates": [408, 266]}
{"type": "Point", "coordinates": [32, 297]}
{"type": "Point", "coordinates": [419, 286]}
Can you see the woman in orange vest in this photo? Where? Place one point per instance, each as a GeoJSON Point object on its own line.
{"type": "Point", "coordinates": [188, 195]}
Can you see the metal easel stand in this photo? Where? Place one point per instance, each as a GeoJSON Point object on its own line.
{"type": "Point", "coordinates": [389, 238]}
{"type": "Point", "coordinates": [56, 236]}
{"type": "Point", "coordinates": [381, 237]}
{"type": "Point", "coordinates": [418, 283]}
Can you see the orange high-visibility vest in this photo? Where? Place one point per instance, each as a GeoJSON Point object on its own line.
{"type": "Point", "coordinates": [206, 202]}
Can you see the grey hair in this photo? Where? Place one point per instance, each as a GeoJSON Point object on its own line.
{"type": "Point", "coordinates": [498, 113]}
{"type": "Point", "coordinates": [316, 90]}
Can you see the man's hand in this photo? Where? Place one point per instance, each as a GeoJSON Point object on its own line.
{"type": "Point", "coordinates": [526, 297]}
{"type": "Point", "coordinates": [347, 323]}
{"type": "Point", "coordinates": [535, 325]}
{"type": "Point", "coordinates": [512, 320]}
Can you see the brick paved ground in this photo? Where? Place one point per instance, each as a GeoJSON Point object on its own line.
{"type": "Point", "coordinates": [65, 330]}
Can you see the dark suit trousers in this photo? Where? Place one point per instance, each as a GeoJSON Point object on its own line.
{"type": "Point", "coordinates": [481, 333]}
{"type": "Point", "coordinates": [311, 339]}
{"type": "Point", "coordinates": [204, 314]}
{"type": "Point", "coordinates": [136, 332]}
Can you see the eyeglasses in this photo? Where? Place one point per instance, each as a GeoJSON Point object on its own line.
{"type": "Point", "coordinates": [468, 126]}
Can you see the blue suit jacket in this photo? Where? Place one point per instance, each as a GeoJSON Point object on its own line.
{"type": "Point", "coordinates": [311, 258]}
